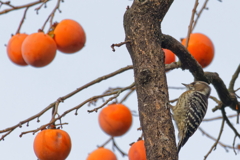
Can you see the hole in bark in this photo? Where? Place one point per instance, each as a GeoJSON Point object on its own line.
{"type": "Point", "coordinates": [145, 76]}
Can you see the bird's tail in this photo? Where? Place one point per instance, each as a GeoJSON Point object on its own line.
{"type": "Point", "coordinates": [179, 146]}
{"type": "Point", "coordinates": [182, 142]}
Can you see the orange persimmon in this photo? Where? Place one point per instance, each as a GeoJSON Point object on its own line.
{"type": "Point", "coordinates": [14, 49]}
{"type": "Point", "coordinates": [115, 119]}
{"type": "Point", "coordinates": [137, 151]}
{"type": "Point", "coordinates": [102, 154]}
{"type": "Point", "coordinates": [52, 144]}
{"type": "Point", "coordinates": [69, 36]}
{"type": "Point", "coordinates": [38, 49]}
{"type": "Point", "coordinates": [201, 48]}
{"type": "Point", "coordinates": [169, 56]}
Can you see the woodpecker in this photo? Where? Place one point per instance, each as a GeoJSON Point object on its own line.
{"type": "Point", "coordinates": [190, 110]}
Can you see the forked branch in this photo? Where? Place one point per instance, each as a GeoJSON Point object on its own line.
{"type": "Point", "coordinates": [13, 8]}
{"type": "Point", "coordinates": [7, 131]}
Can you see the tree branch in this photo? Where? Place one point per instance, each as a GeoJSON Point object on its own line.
{"type": "Point", "coordinates": [114, 97]}
{"type": "Point", "coordinates": [188, 62]}
{"type": "Point", "coordinates": [229, 123]}
{"type": "Point", "coordinates": [118, 45]}
{"type": "Point", "coordinates": [233, 80]}
{"type": "Point", "coordinates": [22, 20]}
{"type": "Point", "coordinates": [199, 14]}
{"type": "Point", "coordinates": [61, 99]}
{"type": "Point", "coordinates": [13, 8]}
{"type": "Point", "coordinates": [116, 146]}
{"type": "Point", "coordinates": [190, 27]}
{"type": "Point", "coordinates": [53, 120]}
{"type": "Point", "coordinates": [50, 17]}
{"type": "Point", "coordinates": [233, 145]}
{"type": "Point", "coordinates": [128, 94]}
{"type": "Point", "coordinates": [227, 98]}
{"type": "Point", "coordinates": [97, 81]}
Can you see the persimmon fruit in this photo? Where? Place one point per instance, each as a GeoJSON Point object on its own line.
{"type": "Point", "coordinates": [38, 49]}
{"type": "Point", "coordinates": [69, 36]}
{"type": "Point", "coordinates": [201, 48]}
{"type": "Point", "coordinates": [102, 154]}
{"type": "Point", "coordinates": [52, 144]}
{"type": "Point", "coordinates": [137, 151]}
{"type": "Point", "coordinates": [14, 49]}
{"type": "Point", "coordinates": [169, 56]}
{"type": "Point", "coordinates": [115, 119]}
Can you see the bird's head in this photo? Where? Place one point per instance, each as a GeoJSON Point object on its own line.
{"type": "Point", "coordinates": [199, 86]}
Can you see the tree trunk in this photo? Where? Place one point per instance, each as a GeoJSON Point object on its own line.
{"type": "Point", "coordinates": [142, 23]}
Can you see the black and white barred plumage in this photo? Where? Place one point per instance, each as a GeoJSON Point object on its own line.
{"type": "Point", "coordinates": [190, 110]}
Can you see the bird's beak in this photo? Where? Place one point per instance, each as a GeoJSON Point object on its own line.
{"type": "Point", "coordinates": [185, 84]}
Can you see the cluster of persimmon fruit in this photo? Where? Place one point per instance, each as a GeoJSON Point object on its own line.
{"type": "Point", "coordinates": [39, 49]}
{"type": "Point", "coordinates": [115, 120]}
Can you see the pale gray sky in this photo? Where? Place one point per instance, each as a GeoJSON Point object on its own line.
{"type": "Point", "coordinates": [26, 90]}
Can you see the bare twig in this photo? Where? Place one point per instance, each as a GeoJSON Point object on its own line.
{"type": "Point", "coordinates": [220, 104]}
{"type": "Point", "coordinates": [215, 99]}
{"type": "Point", "coordinates": [36, 116]}
{"type": "Point", "coordinates": [134, 113]}
{"type": "Point", "coordinates": [42, 128]}
{"type": "Point", "coordinates": [55, 110]}
{"type": "Point", "coordinates": [10, 129]}
{"type": "Point", "coordinates": [97, 81]}
{"type": "Point", "coordinates": [233, 80]}
{"type": "Point", "coordinates": [22, 20]}
{"type": "Point", "coordinates": [105, 143]}
{"type": "Point", "coordinates": [110, 89]}
{"type": "Point", "coordinates": [13, 8]}
{"type": "Point", "coordinates": [190, 27]}
{"type": "Point", "coordinates": [234, 140]}
{"type": "Point", "coordinates": [50, 17]}
{"type": "Point", "coordinates": [118, 45]}
{"type": "Point", "coordinates": [238, 116]}
{"type": "Point", "coordinates": [7, 3]}
{"type": "Point", "coordinates": [68, 111]}
{"type": "Point", "coordinates": [199, 14]}
{"type": "Point", "coordinates": [229, 123]}
{"type": "Point", "coordinates": [128, 94]}
{"type": "Point", "coordinates": [60, 124]}
{"type": "Point", "coordinates": [111, 98]}
{"type": "Point", "coordinates": [116, 146]}
{"type": "Point", "coordinates": [43, 3]}
{"type": "Point", "coordinates": [217, 140]}
{"type": "Point", "coordinates": [211, 137]}
{"type": "Point", "coordinates": [237, 90]}
{"type": "Point", "coordinates": [220, 117]}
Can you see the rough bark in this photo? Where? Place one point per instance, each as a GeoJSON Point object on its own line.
{"type": "Point", "coordinates": [142, 24]}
